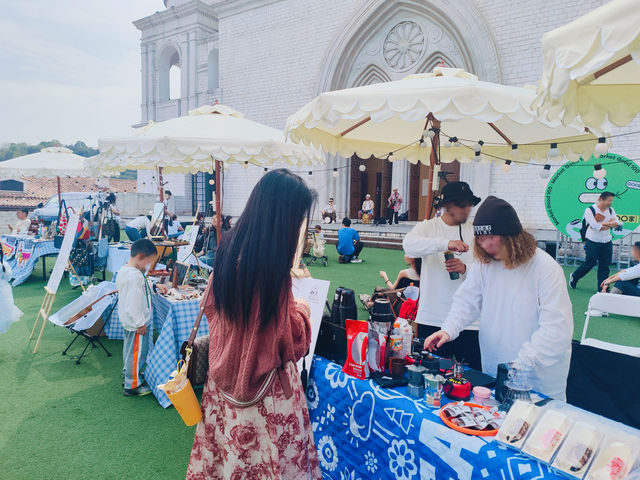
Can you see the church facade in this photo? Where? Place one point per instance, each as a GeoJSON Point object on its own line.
{"type": "Point", "coordinates": [267, 58]}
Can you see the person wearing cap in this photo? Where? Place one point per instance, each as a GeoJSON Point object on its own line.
{"type": "Point", "coordinates": [139, 227]}
{"type": "Point", "coordinates": [329, 211]}
{"type": "Point", "coordinates": [520, 294]}
{"type": "Point", "coordinates": [429, 240]}
{"type": "Point", "coordinates": [394, 202]}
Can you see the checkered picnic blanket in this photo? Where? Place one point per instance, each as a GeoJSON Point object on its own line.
{"type": "Point", "coordinates": [174, 321]}
{"type": "Point", "coordinates": [40, 248]}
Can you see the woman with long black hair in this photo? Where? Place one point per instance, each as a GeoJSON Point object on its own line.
{"type": "Point", "coordinates": [255, 419]}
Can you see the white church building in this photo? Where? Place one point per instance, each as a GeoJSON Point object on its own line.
{"type": "Point", "coordinates": [267, 58]}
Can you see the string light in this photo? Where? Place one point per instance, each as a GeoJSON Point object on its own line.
{"type": "Point", "coordinates": [553, 151]}
{"type": "Point", "coordinates": [335, 173]}
{"type": "Point", "coordinates": [601, 147]}
{"type": "Point", "coordinates": [546, 171]}
{"type": "Point", "coordinates": [478, 146]}
{"type": "Point", "coordinates": [477, 157]}
{"type": "Point", "coordinates": [212, 181]}
{"type": "Point", "coordinates": [423, 144]}
{"type": "Point", "coordinates": [507, 166]}
{"type": "Point", "coordinates": [598, 171]}
{"type": "Point", "coordinates": [310, 173]}
{"type": "Point", "coordinates": [245, 165]}
{"type": "Point", "coordinates": [390, 157]}
{"type": "Point", "coordinates": [362, 167]}
{"type": "Point", "coordinates": [431, 132]}
{"type": "Point", "coordinates": [514, 151]}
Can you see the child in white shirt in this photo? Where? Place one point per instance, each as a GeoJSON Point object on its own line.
{"type": "Point", "coordinates": [135, 311]}
{"type": "Point", "coordinates": [318, 246]}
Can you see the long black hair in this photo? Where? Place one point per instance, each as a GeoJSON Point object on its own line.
{"type": "Point", "coordinates": [2, 259]}
{"type": "Point", "coordinates": [255, 257]}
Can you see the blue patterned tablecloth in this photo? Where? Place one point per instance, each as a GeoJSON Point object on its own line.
{"type": "Point", "coordinates": [365, 432]}
{"type": "Point", "coordinates": [22, 271]}
{"type": "Point", "coordinates": [174, 321]}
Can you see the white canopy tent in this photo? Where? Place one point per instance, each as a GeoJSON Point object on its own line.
{"type": "Point", "coordinates": [477, 120]}
{"type": "Point", "coordinates": [591, 68]}
{"type": "Point", "coordinates": [50, 162]}
{"type": "Point", "coordinates": [192, 143]}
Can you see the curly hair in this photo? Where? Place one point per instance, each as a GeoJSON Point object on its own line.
{"type": "Point", "coordinates": [516, 250]}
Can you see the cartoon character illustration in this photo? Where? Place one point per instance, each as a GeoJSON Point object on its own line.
{"type": "Point", "coordinates": [573, 188]}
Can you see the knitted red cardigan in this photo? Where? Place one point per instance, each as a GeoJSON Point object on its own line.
{"type": "Point", "coordinates": [242, 360]}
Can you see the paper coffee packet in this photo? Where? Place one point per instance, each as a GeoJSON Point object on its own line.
{"type": "Point", "coordinates": [357, 347]}
{"type": "Point", "coordinates": [517, 424]}
{"type": "Point", "coordinates": [578, 450]}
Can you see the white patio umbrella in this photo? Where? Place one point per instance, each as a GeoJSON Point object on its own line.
{"type": "Point", "coordinates": [192, 144]}
{"type": "Point", "coordinates": [483, 121]}
{"type": "Point", "coordinates": [50, 162]}
{"type": "Point", "coordinates": [591, 68]}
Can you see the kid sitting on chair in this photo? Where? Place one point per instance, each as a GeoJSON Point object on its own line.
{"type": "Point", "coordinates": [134, 307]}
{"type": "Point", "coordinates": [318, 246]}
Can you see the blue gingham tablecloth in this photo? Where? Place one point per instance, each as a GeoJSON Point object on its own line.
{"type": "Point", "coordinates": [363, 432]}
{"type": "Point", "coordinates": [173, 320]}
{"type": "Point", "coordinates": [40, 248]}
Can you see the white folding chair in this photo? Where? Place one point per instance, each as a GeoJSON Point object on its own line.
{"type": "Point", "coordinates": [618, 305]}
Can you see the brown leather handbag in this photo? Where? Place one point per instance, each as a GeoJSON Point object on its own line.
{"type": "Point", "coordinates": [195, 351]}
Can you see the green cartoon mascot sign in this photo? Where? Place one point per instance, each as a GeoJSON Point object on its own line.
{"type": "Point", "coordinates": [573, 188]}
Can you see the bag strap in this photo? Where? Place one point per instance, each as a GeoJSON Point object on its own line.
{"type": "Point", "coordinates": [205, 297]}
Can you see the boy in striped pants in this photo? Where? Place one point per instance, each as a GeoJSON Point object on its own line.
{"type": "Point", "coordinates": [135, 311]}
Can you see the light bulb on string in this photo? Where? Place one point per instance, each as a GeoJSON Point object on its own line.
{"type": "Point", "coordinates": [546, 171]}
{"type": "Point", "coordinates": [362, 167]}
{"type": "Point", "coordinates": [245, 165]}
{"type": "Point", "coordinates": [553, 150]}
{"type": "Point", "coordinates": [265, 170]}
{"type": "Point", "coordinates": [423, 144]}
{"type": "Point", "coordinates": [599, 172]}
{"type": "Point", "coordinates": [335, 173]}
{"type": "Point", "coordinates": [513, 153]}
{"type": "Point", "coordinates": [478, 146]}
{"type": "Point", "coordinates": [212, 181]}
{"type": "Point", "coordinates": [310, 173]}
{"type": "Point", "coordinates": [390, 157]}
{"type": "Point", "coordinates": [601, 147]}
{"type": "Point", "coordinates": [477, 157]}
{"type": "Point", "coordinates": [506, 167]}
{"type": "Point", "coordinates": [430, 133]}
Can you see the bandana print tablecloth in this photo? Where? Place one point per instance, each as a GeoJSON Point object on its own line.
{"type": "Point", "coordinates": [365, 432]}
{"type": "Point", "coordinates": [174, 321]}
{"type": "Point", "coordinates": [25, 252]}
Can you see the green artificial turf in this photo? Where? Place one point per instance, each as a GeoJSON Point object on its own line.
{"type": "Point", "coordinates": [59, 420]}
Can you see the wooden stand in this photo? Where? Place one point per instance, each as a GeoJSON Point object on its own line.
{"type": "Point", "coordinates": [43, 314]}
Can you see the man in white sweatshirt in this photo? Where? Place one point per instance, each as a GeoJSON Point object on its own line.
{"type": "Point", "coordinates": [520, 294]}
{"type": "Point", "coordinates": [429, 240]}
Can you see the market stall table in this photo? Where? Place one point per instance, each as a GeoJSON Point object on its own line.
{"type": "Point", "coordinates": [173, 320]}
{"type": "Point", "coordinates": [118, 255]}
{"type": "Point", "coordinates": [364, 431]}
{"type": "Point", "coordinates": [24, 254]}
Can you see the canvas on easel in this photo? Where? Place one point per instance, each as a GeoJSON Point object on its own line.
{"type": "Point", "coordinates": [54, 280]}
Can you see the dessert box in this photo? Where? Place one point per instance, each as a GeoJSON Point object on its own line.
{"type": "Point", "coordinates": [517, 425]}
{"type": "Point", "coordinates": [616, 458]}
{"type": "Point", "coordinates": [547, 435]}
{"type": "Point", "coordinates": [578, 450]}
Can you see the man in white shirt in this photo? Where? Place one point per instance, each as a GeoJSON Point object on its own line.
{"type": "Point", "coordinates": [520, 294]}
{"type": "Point", "coordinates": [429, 240]}
{"type": "Point", "coordinates": [329, 211]}
{"type": "Point", "coordinates": [22, 225]}
{"type": "Point", "coordinates": [135, 227]}
{"type": "Point", "coordinates": [626, 281]}
{"type": "Point", "coordinates": [367, 207]}
{"type": "Point", "coordinates": [600, 219]}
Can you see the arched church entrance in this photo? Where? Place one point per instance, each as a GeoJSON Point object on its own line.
{"type": "Point", "coordinates": [386, 41]}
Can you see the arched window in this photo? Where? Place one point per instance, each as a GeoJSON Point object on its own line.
{"type": "Point", "coordinates": [213, 70]}
{"type": "Point", "coordinates": [168, 67]}
{"type": "Point", "coordinates": [12, 185]}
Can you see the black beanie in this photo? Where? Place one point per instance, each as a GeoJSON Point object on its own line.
{"type": "Point", "coordinates": [496, 217]}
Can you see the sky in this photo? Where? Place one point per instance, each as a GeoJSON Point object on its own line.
{"type": "Point", "coordinates": [69, 69]}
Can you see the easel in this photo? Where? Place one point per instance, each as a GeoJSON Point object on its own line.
{"type": "Point", "coordinates": [54, 280]}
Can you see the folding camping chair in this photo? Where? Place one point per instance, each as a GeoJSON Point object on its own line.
{"type": "Point", "coordinates": [80, 317]}
{"type": "Point", "coordinates": [618, 305]}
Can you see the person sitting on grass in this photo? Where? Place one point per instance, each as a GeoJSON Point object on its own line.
{"type": "Point", "coordinates": [349, 244]}
{"type": "Point", "coordinates": [625, 282]}
{"type": "Point", "coordinates": [134, 306]}
{"type": "Point", "coordinates": [318, 246]}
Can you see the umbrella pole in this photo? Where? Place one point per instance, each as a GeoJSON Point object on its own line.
{"type": "Point", "coordinates": [433, 159]}
{"type": "Point", "coordinates": [59, 193]}
{"type": "Point", "coordinates": [218, 201]}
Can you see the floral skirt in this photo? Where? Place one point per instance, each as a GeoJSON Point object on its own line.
{"type": "Point", "coordinates": [269, 440]}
